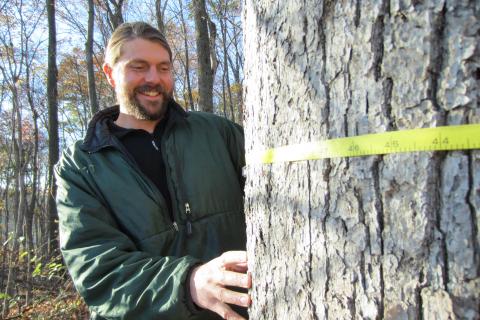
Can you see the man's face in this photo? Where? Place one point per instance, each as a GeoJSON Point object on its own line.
{"type": "Point", "coordinates": [142, 78]}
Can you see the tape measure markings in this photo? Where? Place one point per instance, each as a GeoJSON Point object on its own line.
{"type": "Point", "coordinates": [457, 137]}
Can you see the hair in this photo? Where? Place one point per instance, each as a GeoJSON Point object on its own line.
{"type": "Point", "coordinates": [130, 31]}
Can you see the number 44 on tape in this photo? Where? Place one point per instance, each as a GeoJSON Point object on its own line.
{"type": "Point", "coordinates": [460, 137]}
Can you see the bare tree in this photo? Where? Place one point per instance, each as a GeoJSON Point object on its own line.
{"type": "Point", "coordinates": [15, 36]}
{"type": "Point", "coordinates": [53, 140]}
{"type": "Point", "coordinates": [114, 10]}
{"type": "Point", "coordinates": [160, 8]}
{"type": "Point", "coordinates": [187, 55]}
{"type": "Point", "coordinates": [379, 237]}
{"type": "Point", "coordinates": [204, 53]}
{"type": "Point", "coordinates": [220, 10]}
{"type": "Point", "coordinates": [92, 91]}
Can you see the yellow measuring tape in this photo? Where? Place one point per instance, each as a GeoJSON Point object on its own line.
{"type": "Point", "coordinates": [461, 137]}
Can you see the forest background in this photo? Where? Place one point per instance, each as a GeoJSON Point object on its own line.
{"type": "Point", "coordinates": [51, 82]}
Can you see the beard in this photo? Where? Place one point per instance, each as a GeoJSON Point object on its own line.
{"type": "Point", "coordinates": [134, 107]}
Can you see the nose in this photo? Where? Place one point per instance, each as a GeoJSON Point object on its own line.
{"type": "Point", "coordinates": [152, 75]}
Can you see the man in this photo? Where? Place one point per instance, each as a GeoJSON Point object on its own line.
{"type": "Point", "coordinates": [150, 203]}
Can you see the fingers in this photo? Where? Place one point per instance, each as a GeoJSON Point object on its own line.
{"type": "Point", "coordinates": [241, 267]}
{"type": "Point", "coordinates": [231, 259]}
{"type": "Point", "coordinates": [226, 312]}
{"type": "Point", "coordinates": [210, 284]}
{"type": "Point", "coordinates": [232, 297]}
{"type": "Point", "coordinates": [234, 279]}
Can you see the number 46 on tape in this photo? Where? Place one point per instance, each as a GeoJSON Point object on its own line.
{"type": "Point", "coordinates": [460, 137]}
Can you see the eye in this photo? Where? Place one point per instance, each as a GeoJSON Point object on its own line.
{"type": "Point", "coordinates": [137, 67]}
{"type": "Point", "coordinates": [165, 68]}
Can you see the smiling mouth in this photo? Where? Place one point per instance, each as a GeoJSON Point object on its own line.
{"type": "Point", "coordinates": [151, 93]}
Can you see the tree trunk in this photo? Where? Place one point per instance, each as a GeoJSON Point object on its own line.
{"type": "Point", "coordinates": [393, 236]}
{"type": "Point", "coordinates": [187, 57]}
{"type": "Point", "coordinates": [20, 197]}
{"type": "Point", "coordinates": [205, 71]}
{"type": "Point", "coordinates": [30, 211]}
{"type": "Point", "coordinates": [115, 14]}
{"type": "Point", "coordinates": [53, 149]}
{"type": "Point", "coordinates": [92, 91]}
{"type": "Point", "coordinates": [226, 76]}
{"type": "Point", "coordinates": [160, 14]}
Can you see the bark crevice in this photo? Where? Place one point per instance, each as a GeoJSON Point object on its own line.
{"type": "Point", "coordinates": [323, 73]}
{"type": "Point", "coordinates": [418, 295]}
{"type": "Point", "coordinates": [351, 302]}
{"type": "Point", "coordinates": [377, 39]}
{"type": "Point", "coordinates": [469, 200]}
{"type": "Point", "coordinates": [358, 13]}
{"type": "Point", "coordinates": [387, 105]}
{"type": "Point", "coordinates": [438, 160]}
{"type": "Point", "coordinates": [348, 88]}
{"type": "Point", "coordinates": [436, 59]}
{"type": "Point", "coordinates": [381, 223]}
{"type": "Point", "coordinates": [310, 253]}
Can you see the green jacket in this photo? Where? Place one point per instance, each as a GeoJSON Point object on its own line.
{"type": "Point", "coordinates": [126, 256]}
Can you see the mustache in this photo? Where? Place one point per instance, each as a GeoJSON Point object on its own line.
{"type": "Point", "coordinates": [160, 89]}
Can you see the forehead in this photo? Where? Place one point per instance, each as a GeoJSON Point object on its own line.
{"type": "Point", "coordinates": [141, 49]}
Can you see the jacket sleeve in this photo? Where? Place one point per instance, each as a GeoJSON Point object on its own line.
{"type": "Point", "coordinates": [116, 280]}
{"type": "Point", "coordinates": [236, 145]}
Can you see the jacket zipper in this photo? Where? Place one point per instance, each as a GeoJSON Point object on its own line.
{"type": "Point", "coordinates": [187, 214]}
{"type": "Point", "coordinates": [175, 225]}
{"type": "Point", "coordinates": [181, 193]}
{"type": "Point", "coordinates": [117, 145]}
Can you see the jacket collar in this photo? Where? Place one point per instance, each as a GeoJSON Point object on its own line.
{"type": "Point", "coordinates": [98, 132]}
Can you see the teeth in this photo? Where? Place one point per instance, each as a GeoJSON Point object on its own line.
{"type": "Point", "coordinates": [150, 93]}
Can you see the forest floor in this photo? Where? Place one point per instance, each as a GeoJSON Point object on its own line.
{"type": "Point", "coordinates": [52, 297]}
{"type": "Point", "coordinates": [47, 306]}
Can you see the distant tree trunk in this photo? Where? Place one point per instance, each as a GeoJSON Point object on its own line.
{"type": "Point", "coordinates": [226, 76]}
{"type": "Point", "coordinates": [30, 211]}
{"type": "Point", "coordinates": [20, 195]}
{"type": "Point", "coordinates": [378, 237]}
{"type": "Point", "coordinates": [212, 40]}
{"type": "Point", "coordinates": [44, 217]}
{"type": "Point", "coordinates": [187, 57]}
{"type": "Point", "coordinates": [236, 67]}
{"type": "Point", "coordinates": [53, 149]}
{"type": "Point", "coordinates": [160, 14]}
{"type": "Point", "coordinates": [115, 14]}
{"type": "Point", "coordinates": [6, 223]}
{"type": "Point", "coordinates": [92, 91]}
{"type": "Point", "coordinates": [205, 68]}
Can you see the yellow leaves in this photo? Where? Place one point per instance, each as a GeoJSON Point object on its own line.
{"type": "Point", "coordinates": [236, 88]}
{"type": "Point", "coordinates": [195, 95]}
{"type": "Point", "coordinates": [72, 77]}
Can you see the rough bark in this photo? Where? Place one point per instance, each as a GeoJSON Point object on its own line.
{"type": "Point", "coordinates": [205, 68]}
{"type": "Point", "coordinates": [392, 236]}
{"type": "Point", "coordinates": [53, 149]}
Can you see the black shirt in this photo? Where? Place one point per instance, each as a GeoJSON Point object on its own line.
{"type": "Point", "coordinates": [145, 148]}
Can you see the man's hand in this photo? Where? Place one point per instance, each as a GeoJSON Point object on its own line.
{"type": "Point", "coordinates": [208, 281]}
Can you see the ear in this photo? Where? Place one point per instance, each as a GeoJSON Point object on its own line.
{"type": "Point", "coordinates": [108, 70]}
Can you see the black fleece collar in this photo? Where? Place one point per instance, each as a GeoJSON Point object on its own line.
{"type": "Point", "coordinates": [98, 133]}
